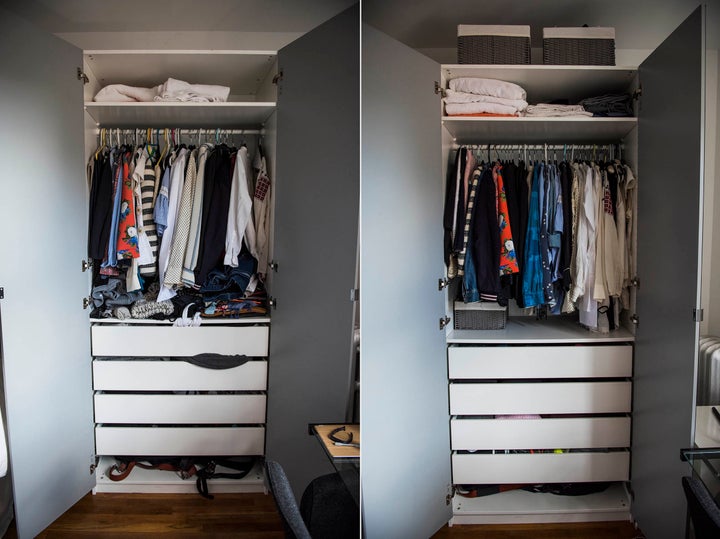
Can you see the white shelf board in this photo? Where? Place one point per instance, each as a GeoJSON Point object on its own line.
{"type": "Point", "coordinates": [545, 83]}
{"type": "Point", "coordinates": [528, 330]}
{"type": "Point", "coordinates": [205, 321]}
{"type": "Point", "coordinates": [156, 481]}
{"type": "Point", "coordinates": [519, 506]}
{"type": "Point", "coordinates": [479, 130]}
{"type": "Point", "coordinates": [246, 114]}
{"type": "Point", "coordinates": [242, 71]}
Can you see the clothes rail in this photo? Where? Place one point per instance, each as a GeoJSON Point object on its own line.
{"type": "Point", "coordinates": [611, 149]}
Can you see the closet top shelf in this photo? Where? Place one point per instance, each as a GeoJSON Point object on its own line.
{"type": "Point", "coordinates": [545, 83]}
{"type": "Point", "coordinates": [171, 114]}
{"type": "Point", "coordinates": [248, 73]}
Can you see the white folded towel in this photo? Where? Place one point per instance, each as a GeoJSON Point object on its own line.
{"type": "Point", "coordinates": [123, 93]}
{"type": "Point", "coordinates": [452, 96]}
{"type": "Point", "coordinates": [493, 87]}
{"type": "Point", "coordinates": [178, 90]}
{"type": "Point", "coordinates": [458, 109]}
{"type": "Point", "coordinates": [550, 110]}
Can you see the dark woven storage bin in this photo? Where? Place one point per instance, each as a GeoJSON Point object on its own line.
{"type": "Point", "coordinates": [579, 46]}
{"type": "Point", "coordinates": [480, 315]}
{"type": "Point", "coordinates": [493, 44]}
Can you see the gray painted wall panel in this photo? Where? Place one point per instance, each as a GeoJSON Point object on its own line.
{"type": "Point", "coordinates": [669, 172]}
{"type": "Point", "coordinates": [315, 242]}
{"type": "Point", "coordinates": [404, 392]}
{"type": "Point", "coordinates": [45, 331]}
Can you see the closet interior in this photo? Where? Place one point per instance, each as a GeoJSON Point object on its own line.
{"type": "Point", "coordinates": [150, 397]}
{"type": "Point", "coordinates": [540, 404]}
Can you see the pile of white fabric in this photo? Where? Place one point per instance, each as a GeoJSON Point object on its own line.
{"type": "Point", "coordinates": [170, 90]}
{"type": "Point", "coordinates": [471, 95]}
{"type": "Point", "coordinates": [548, 110]}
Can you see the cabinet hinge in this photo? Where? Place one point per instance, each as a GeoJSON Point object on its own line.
{"type": "Point", "coordinates": [354, 294]}
{"type": "Point", "coordinates": [87, 302]}
{"type": "Point", "coordinates": [637, 93]}
{"type": "Point", "coordinates": [444, 321]}
{"type": "Point", "coordinates": [82, 76]}
{"type": "Point", "coordinates": [93, 467]}
{"type": "Point", "coordinates": [698, 315]}
{"type": "Point", "coordinates": [635, 282]}
{"type": "Point", "coordinates": [273, 266]}
{"type": "Point", "coordinates": [278, 77]}
{"type": "Point", "coordinates": [442, 283]}
{"type": "Point", "coordinates": [449, 495]}
{"type": "Point", "coordinates": [86, 264]}
{"type": "Point", "coordinates": [272, 302]}
{"type": "Point", "coordinates": [2, 293]}
{"type": "Point", "coordinates": [438, 88]}
{"type": "Point", "coordinates": [635, 319]}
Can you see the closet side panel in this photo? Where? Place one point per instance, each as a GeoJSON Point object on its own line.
{"type": "Point", "coordinates": [404, 400]}
{"type": "Point", "coordinates": [43, 215]}
{"type": "Point", "coordinates": [316, 208]}
{"type": "Point", "coordinates": [669, 172]}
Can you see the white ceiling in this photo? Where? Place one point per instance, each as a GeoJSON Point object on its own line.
{"type": "Point", "coordinates": [70, 16]}
{"type": "Point", "coordinates": [639, 24]}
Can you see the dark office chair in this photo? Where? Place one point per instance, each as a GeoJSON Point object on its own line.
{"type": "Point", "coordinates": [285, 500]}
{"type": "Point", "coordinates": [703, 511]}
{"type": "Point", "coordinates": [328, 508]}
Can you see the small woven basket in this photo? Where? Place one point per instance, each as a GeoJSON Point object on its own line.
{"type": "Point", "coordinates": [579, 46]}
{"type": "Point", "coordinates": [493, 44]}
{"type": "Point", "coordinates": [480, 315]}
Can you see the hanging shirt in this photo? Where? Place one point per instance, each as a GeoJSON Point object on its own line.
{"type": "Point", "coordinates": [465, 259]}
{"type": "Point", "coordinates": [191, 253]}
{"type": "Point", "coordinates": [588, 306]}
{"type": "Point", "coordinates": [173, 274]}
{"type": "Point", "coordinates": [508, 259]}
{"type": "Point", "coordinates": [177, 174]}
{"type": "Point", "coordinates": [261, 213]}
{"type": "Point", "coordinates": [127, 241]}
{"type": "Point", "coordinates": [239, 211]}
{"type": "Point", "coordinates": [532, 274]}
{"type": "Point", "coordinates": [147, 197]}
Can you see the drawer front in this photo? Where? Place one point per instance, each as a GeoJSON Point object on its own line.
{"type": "Point", "coordinates": [479, 362]}
{"type": "Point", "coordinates": [540, 468]}
{"type": "Point", "coordinates": [179, 409]}
{"type": "Point", "coordinates": [561, 433]}
{"type": "Point", "coordinates": [179, 441]}
{"type": "Point", "coordinates": [540, 398]}
{"type": "Point", "coordinates": [138, 375]}
{"type": "Point", "coordinates": [169, 341]}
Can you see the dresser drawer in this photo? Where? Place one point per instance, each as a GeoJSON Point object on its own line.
{"type": "Point", "coordinates": [551, 433]}
{"type": "Point", "coordinates": [540, 467]}
{"type": "Point", "coordinates": [540, 398]}
{"type": "Point", "coordinates": [138, 375]}
{"type": "Point", "coordinates": [179, 409]}
{"type": "Point", "coordinates": [169, 341]}
{"type": "Point", "coordinates": [496, 362]}
{"type": "Point", "coordinates": [179, 441]}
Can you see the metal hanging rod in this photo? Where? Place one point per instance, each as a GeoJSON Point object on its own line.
{"type": "Point", "coordinates": [538, 146]}
{"type": "Point", "coordinates": [180, 131]}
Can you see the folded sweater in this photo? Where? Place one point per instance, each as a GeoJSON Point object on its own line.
{"type": "Point", "coordinates": [491, 87]}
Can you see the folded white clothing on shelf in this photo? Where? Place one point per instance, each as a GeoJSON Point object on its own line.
{"type": "Point", "coordinates": [178, 90]}
{"type": "Point", "coordinates": [493, 87]}
{"type": "Point", "coordinates": [123, 93]}
{"type": "Point", "coordinates": [458, 109]}
{"type": "Point", "coordinates": [550, 110]}
{"type": "Point", "coordinates": [452, 96]}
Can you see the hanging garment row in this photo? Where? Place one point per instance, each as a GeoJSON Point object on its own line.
{"type": "Point", "coordinates": [558, 236]}
{"type": "Point", "coordinates": [178, 231]}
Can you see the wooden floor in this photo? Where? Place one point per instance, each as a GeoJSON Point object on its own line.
{"type": "Point", "coordinates": [254, 516]}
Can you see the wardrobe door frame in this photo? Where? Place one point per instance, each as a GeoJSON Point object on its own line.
{"type": "Point", "coordinates": [407, 489]}
{"type": "Point", "coordinates": [46, 342]}
{"type": "Point", "coordinates": [666, 341]}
